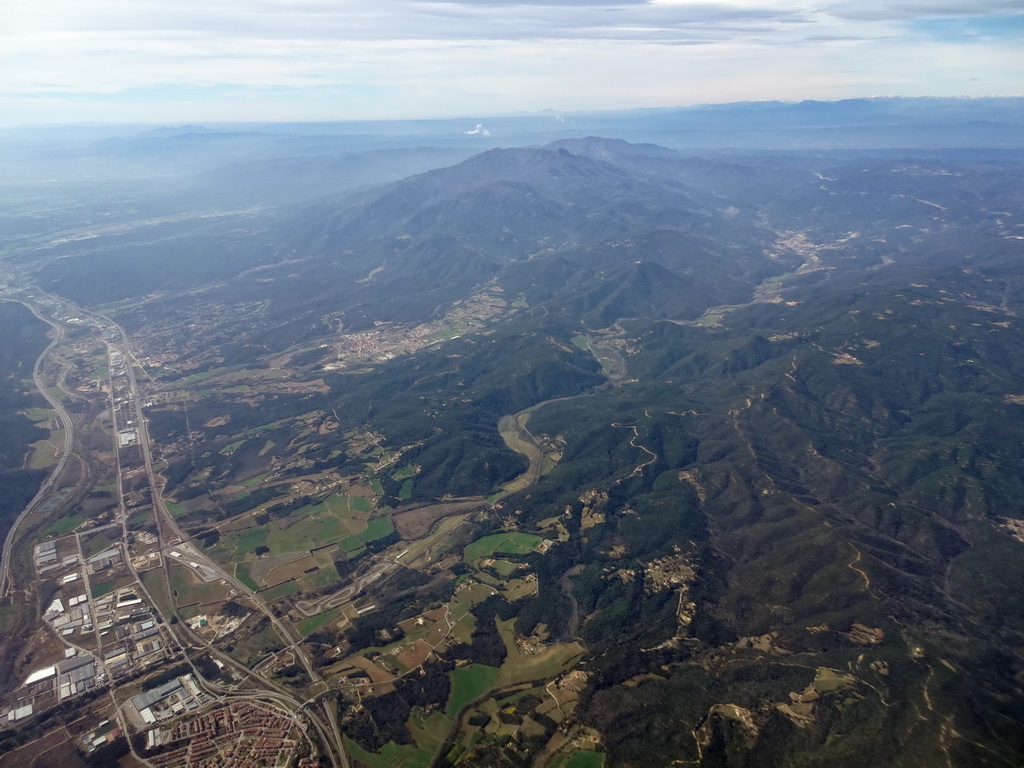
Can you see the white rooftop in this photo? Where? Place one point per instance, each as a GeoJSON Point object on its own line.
{"type": "Point", "coordinates": [40, 674]}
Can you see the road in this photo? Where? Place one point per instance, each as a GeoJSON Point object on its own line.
{"type": "Point", "coordinates": [165, 518]}
{"type": "Point", "coordinates": [167, 528]}
{"type": "Point", "coordinates": [315, 607]}
{"type": "Point", "coordinates": [51, 481]}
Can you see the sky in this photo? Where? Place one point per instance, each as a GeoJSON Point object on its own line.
{"type": "Point", "coordinates": [254, 60]}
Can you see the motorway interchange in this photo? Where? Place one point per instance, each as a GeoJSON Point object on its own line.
{"type": "Point", "coordinates": [118, 635]}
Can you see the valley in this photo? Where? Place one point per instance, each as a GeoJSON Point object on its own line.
{"type": "Point", "coordinates": [582, 454]}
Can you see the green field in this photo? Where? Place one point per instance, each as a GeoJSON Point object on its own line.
{"type": "Point", "coordinates": [248, 539]}
{"type": "Point", "coordinates": [337, 504]}
{"type": "Point", "coordinates": [198, 377]}
{"type": "Point", "coordinates": [405, 492]}
{"type": "Point", "coordinates": [391, 755]}
{"type": "Point", "coordinates": [583, 759]}
{"type": "Point", "coordinates": [40, 414]}
{"type": "Point", "coordinates": [549, 662]}
{"type": "Point", "coordinates": [338, 519]}
{"type": "Point", "coordinates": [313, 623]}
{"type": "Point", "coordinates": [242, 574]}
{"type": "Point", "coordinates": [175, 509]}
{"type": "Point", "coordinates": [468, 683]}
{"type": "Point", "coordinates": [579, 759]}
{"type": "Point", "coordinates": [8, 617]}
{"type": "Point", "coordinates": [377, 528]}
{"type": "Point", "coordinates": [93, 545]}
{"type": "Point", "coordinates": [64, 525]}
{"type": "Point", "coordinates": [141, 520]}
{"type": "Point", "coordinates": [504, 568]}
{"type": "Point", "coordinates": [310, 533]}
{"type": "Point", "coordinates": [502, 544]}
{"type": "Point", "coordinates": [326, 574]}
{"type": "Point", "coordinates": [403, 473]}
{"type": "Point", "coordinates": [281, 590]}
{"type": "Point", "coordinates": [99, 590]}
{"type": "Point", "coordinates": [253, 648]}
{"type": "Point", "coordinates": [45, 452]}
{"type": "Point", "coordinates": [360, 504]}
{"type": "Point", "coordinates": [154, 582]}
{"type": "Point", "coordinates": [430, 733]}
{"type": "Point", "coordinates": [189, 589]}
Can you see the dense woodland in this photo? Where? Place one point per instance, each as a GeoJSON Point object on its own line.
{"type": "Point", "coordinates": [801, 383]}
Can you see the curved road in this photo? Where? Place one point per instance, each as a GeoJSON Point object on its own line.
{"type": "Point", "coordinates": [51, 480]}
{"type": "Point", "coordinates": [330, 737]}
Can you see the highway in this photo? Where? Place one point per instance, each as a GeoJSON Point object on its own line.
{"type": "Point", "coordinates": [51, 481]}
{"type": "Point", "coordinates": [166, 519]}
{"type": "Point", "coordinates": [169, 535]}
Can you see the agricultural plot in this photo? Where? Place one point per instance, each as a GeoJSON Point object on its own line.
{"type": "Point", "coordinates": [547, 662]}
{"type": "Point", "coordinates": [242, 574]}
{"type": "Point", "coordinates": [413, 654]}
{"type": "Point", "coordinates": [375, 529]}
{"type": "Point", "coordinates": [391, 755]}
{"type": "Point", "coordinates": [273, 569]}
{"type": "Point", "coordinates": [190, 590]}
{"type": "Point", "coordinates": [45, 452]}
{"type": "Point", "coordinates": [281, 590]}
{"type": "Point", "coordinates": [469, 683]}
{"type": "Point", "coordinates": [516, 589]}
{"type": "Point", "coordinates": [415, 523]}
{"type": "Point", "coordinates": [64, 525]}
{"type": "Point", "coordinates": [153, 581]}
{"type": "Point", "coordinates": [324, 575]}
{"type": "Point", "coordinates": [502, 544]}
{"type": "Point", "coordinates": [313, 623]}
{"type": "Point", "coordinates": [403, 473]}
{"type": "Point", "coordinates": [176, 509]}
{"type": "Point", "coordinates": [141, 520]}
{"type": "Point", "coordinates": [102, 588]}
{"type": "Point", "coordinates": [101, 541]}
{"type": "Point", "coordinates": [254, 647]}
{"type": "Point", "coordinates": [340, 519]}
{"type": "Point", "coordinates": [429, 733]}
{"type": "Point", "coordinates": [8, 617]}
{"type": "Point", "coordinates": [579, 759]}
{"type": "Point", "coordinates": [425, 550]}
{"type": "Point", "coordinates": [422, 635]}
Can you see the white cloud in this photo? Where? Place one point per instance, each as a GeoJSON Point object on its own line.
{"type": "Point", "coordinates": [341, 59]}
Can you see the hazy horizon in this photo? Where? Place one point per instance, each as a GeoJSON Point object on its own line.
{"type": "Point", "coordinates": [268, 61]}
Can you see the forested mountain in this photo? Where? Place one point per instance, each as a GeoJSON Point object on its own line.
{"type": "Point", "coordinates": [783, 395]}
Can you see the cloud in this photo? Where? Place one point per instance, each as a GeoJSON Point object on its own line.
{"type": "Point", "coordinates": [340, 59]}
{"type": "Point", "coordinates": [905, 10]}
{"type": "Point", "coordinates": [478, 131]}
{"type": "Point", "coordinates": [573, 3]}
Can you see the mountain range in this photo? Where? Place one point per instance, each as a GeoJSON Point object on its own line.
{"type": "Point", "coordinates": [800, 374]}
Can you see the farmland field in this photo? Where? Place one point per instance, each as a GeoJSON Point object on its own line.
{"type": "Point", "coordinates": [339, 519]}
{"type": "Point", "coordinates": [503, 544]}
{"type": "Point", "coordinates": [579, 759]}
{"type": "Point", "coordinates": [189, 589]}
{"type": "Point", "coordinates": [549, 662]}
{"type": "Point", "coordinates": [467, 684]}
{"type": "Point", "coordinates": [313, 623]}
{"type": "Point", "coordinates": [391, 756]}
